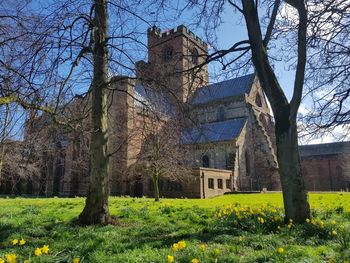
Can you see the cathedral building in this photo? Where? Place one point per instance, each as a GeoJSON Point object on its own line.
{"type": "Point", "coordinates": [227, 135]}
{"type": "Point", "coordinates": [202, 139]}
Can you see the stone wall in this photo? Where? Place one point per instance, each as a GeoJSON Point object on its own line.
{"type": "Point", "coordinates": [326, 173]}
{"type": "Point", "coordinates": [214, 182]}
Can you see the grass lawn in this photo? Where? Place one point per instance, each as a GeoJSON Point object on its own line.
{"type": "Point", "coordinates": [232, 228]}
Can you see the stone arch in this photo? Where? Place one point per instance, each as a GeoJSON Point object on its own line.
{"type": "Point", "coordinates": [205, 161]}
{"type": "Point", "coordinates": [247, 163]}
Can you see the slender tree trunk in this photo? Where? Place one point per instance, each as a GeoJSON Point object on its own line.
{"type": "Point", "coordinates": [3, 139]}
{"type": "Point", "coordinates": [156, 186]}
{"type": "Point", "coordinates": [156, 169]}
{"type": "Point", "coordinates": [96, 206]}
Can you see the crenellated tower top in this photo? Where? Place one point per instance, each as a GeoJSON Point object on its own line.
{"type": "Point", "coordinates": [155, 36]}
{"type": "Point", "coordinates": [177, 57]}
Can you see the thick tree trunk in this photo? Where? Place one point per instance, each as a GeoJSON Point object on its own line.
{"type": "Point", "coordinates": [295, 197]}
{"type": "Point", "coordinates": [96, 206]}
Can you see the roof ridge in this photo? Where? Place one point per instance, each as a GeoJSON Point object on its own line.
{"type": "Point", "coordinates": [224, 89]}
{"type": "Point", "coordinates": [223, 81]}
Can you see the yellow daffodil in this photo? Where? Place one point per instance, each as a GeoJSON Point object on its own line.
{"type": "Point", "coordinates": [334, 233]}
{"type": "Point", "coordinates": [181, 244]}
{"type": "Point", "coordinates": [280, 250]}
{"type": "Point", "coordinates": [2, 261]}
{"type": "Point", "coordinates": [11, 258]}
{"type": "Point", "coordinates": [22, 242]}
{"type": "Point", "coordinates": [195, 260]}
{"type": "Point", "coordinates": [175, 247]}
{"type": "Point", "coordinates": [334, 222]}
{"type": "Point", "coordinates": [45, 249]}
{"type": "Point", "coordinates": [76, 260]}
{"type": "Point", "coordinates": [170, 259]}
{"type": "Point", "coordinates": [14, 242]}
{"type": "Point", "coordinates": [37, 252]}
{"type": "Point", "coordinates": [261, 220]}
{"type": "Point", "coordinates": [331, 260]}
{"type": "Point", "coordinates": [307, 220]}
{"type": "Point", "coordinates": [202, 247]}
{"type": "Point", "coordinates": [26, 261]}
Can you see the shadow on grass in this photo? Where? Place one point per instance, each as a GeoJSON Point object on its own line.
{"type": "Point", "coordinates": [7, 230]}
{"type": "Point", "coordinates": [167, 239]}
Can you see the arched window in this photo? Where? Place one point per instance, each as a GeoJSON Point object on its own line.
{"type": "Point", "coordinates": [194, 56]}
{"type": "Point", "coordinates": [205, 161]}
{"type": "Point", "coordinates": [168, 53]}
{"type": "Point", "coordinates": [258, 100]}
{"type": "Point", "coordinates": [221, 114]}
{"type": "Point", "coordinates": [247, 164]}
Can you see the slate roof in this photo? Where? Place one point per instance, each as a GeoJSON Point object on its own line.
{"type": "Point", "coordinates": [334, 148]}
{"type": "Point", "coordinates": [213, 132]}
{"type": "Point", "coordinates": [224, 89]}
{"type": "Point", "coordinates": [154, 100]}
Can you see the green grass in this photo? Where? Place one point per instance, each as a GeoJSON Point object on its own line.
{"type": "Point", "coordinates": [147, 230]}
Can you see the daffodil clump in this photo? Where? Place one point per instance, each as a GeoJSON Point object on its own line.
{"type": "Point", "coordinates": [19, 258]}
{"type": "Point", "coordinates": [13, 257]}
{"type": "Point", "coordinates": [192, 253]}
{"type": "Point", "coordinates": [325, 229]}
{"type": "Point", "coordinates": [267, 218]}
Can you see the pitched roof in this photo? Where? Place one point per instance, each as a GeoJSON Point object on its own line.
{"type": "Point", "coordinates": [213, 132]}
{"type": "Point", "coordinates": [334, 148]}
{"type": "Point", "coordinates": [224, 89]}
{"type": "Point", "coordinates": [151, 99]}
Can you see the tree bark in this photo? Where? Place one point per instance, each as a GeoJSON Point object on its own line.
{"type": "Point", "coordinates": [96, 207]}
{"type": "Point", "coordinates": [295, 198]}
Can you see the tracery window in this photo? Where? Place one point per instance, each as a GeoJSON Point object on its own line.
{"type": "Point", "coordinates": [168, 53]}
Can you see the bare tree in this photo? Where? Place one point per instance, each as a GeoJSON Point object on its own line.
{"type": "Point", "coordinates": [294, 193]}
{"type": "Point", "coordinates": [51, 55]}
{"type": "Point", "coordinates": [162, 154]}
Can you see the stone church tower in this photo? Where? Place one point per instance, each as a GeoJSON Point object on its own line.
{"type": "Point", "coordinates": [169, 78]}
{"type": "Point", "coordinates": [175, 60]}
